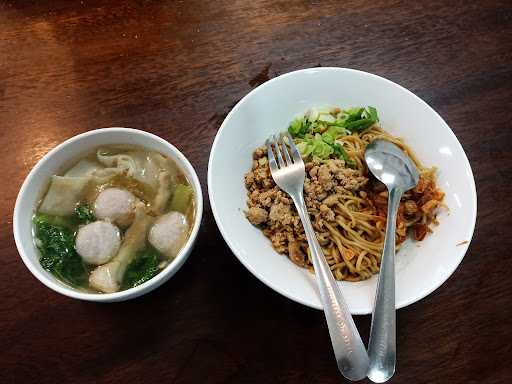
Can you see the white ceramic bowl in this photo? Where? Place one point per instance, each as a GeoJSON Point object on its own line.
{"type": "Point", "coordinates": [421, 267]}
{"type": "Point", "coordinates": [62, 157]}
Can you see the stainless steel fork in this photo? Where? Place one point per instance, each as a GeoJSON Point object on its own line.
{"type": "Point", "coordinates": [288, 172]}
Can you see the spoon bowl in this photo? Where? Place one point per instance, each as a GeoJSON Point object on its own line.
{"type": "Point", "coordinates": [388, 163]}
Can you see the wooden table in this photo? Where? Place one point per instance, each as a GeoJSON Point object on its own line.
{"type": "Point", "coordinates": [175, 68]}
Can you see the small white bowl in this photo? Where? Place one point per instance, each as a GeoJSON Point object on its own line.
{"type": "Point", "coordinates": [421, 267]}
{"type": "Point", "coordinates": [62, 157]}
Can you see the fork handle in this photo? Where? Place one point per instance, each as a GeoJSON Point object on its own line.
{"type": "Point", "coordinates": [349, 349]}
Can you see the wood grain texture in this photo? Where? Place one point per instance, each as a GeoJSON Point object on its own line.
{"type": "Point", "coordinates": [175, 68]}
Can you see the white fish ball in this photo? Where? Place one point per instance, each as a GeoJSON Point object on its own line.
{"type": "Point", "coordinates": [98, 242]}
{"type": "Point", "coordinates": [169, 233]}
{"type": "Point", "coordinates": [115, 205]}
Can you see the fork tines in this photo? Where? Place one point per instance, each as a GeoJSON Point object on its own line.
{"type": "Point", "coordinates": [279, 146]}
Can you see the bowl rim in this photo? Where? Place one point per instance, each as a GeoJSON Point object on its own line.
{"type": "Point", "coordinates": [143, 288]}
{"type": "Point", "coordinates": [436, 115]}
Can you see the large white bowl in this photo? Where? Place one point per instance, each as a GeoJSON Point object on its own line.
{"type": "Point", "coordinates": [63, 156]}
{"type": "Point", "coordinates": [421, 267]}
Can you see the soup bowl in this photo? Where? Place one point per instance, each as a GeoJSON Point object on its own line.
{"type": "Point", "coordinates": [61, 158]}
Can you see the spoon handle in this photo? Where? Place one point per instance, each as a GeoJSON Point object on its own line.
{"type": "Point", "coordinates": [382, 345]}
{"type": "Point", "coordinates": [348, 347]}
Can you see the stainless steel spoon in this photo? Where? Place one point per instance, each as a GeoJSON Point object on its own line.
{"type": "Point", "coordinates": [395, 169]}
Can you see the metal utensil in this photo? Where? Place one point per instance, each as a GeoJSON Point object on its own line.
{"type": "Point", "coordinates": [288, 172]}
{"type": "Point", "coordinates": [395, 169]}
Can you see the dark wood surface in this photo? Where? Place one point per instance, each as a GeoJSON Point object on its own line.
{"type": "Point", "coordinates": [175, 68]}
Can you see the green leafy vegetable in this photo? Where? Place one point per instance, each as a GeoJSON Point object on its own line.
{"type": "Point", "coordinates": [321, 149]}
{"type": "Point", "coordinates": [56, 243]}
{"type": "Point", "coordinates": [318, 146]}
{"type": "Point", "coordinates": [68, 222]}
{"type": "Point", "coordinates": [84, 213]}
{"type": "Point", "coordinates": [340, 153]}
{"type": "Point", "coordinates": [358, 119]}
{"type": "Point", "coordinates": [181, 198]}
{"type": "Point", "coordinates": [327, 138]}
{"type": "Point", "coordinates": [359, 125]}
{"type": "Point", "coordinates": [353, 114]}
{"type": "Point", "coordinates": [351, 120]}
{"type": "Point", "coordinates": [318, 132]}
{"type": "Point", "coordinates": [141, 269]}
{"type": "Point", "coordinates": [299, 127]}
{"type": "Point", "coordinates": [336, 131]}
{"type": "Point", "coordinates": [305, 148]}
{"type": "Point", "coordinates": [372, 114]}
